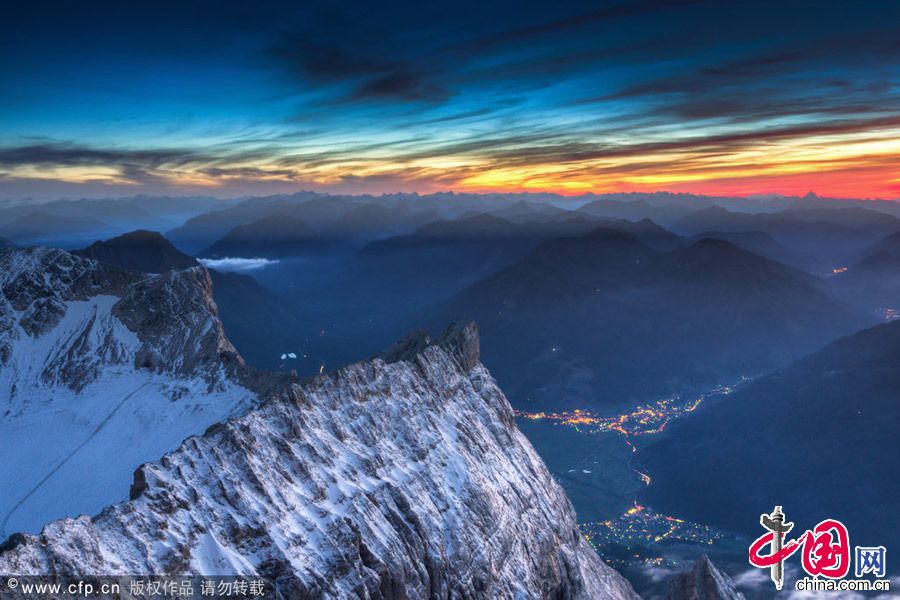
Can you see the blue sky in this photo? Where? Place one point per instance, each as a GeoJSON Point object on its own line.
{"type": "Point", "coordinates": [235, 98]}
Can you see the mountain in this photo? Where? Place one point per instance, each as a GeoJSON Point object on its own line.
{"type": "Point", "coordinates": [636, 210]}
{"type": "Point", "coordinates": [86, 217]}
{"type": "Point", "coordinates": [276, 236]}
{"type": "Point", "coordinates": [37, 226]}
{"type": "Point", "coordinates": [141, 250]}
{"type": "Point", "coordinates": [817, 437]}
{"type": "Point", "coordinates": [400, 477]}
{"type": "Point", "coordinates": [605, 318]}
{"type": "Point", "coordinates": [488, 231]}
{"type": "Point", "coordinates": [648, 232]}
{"type": "Point", "coordinates": [818, 239]}
{"type": "Point", "coordinates": [851, 216]}
{"type": "Point", "coordinates": [74, 222]}
{"type": "Point", "coordinates": [176, 208]}
{"type": "Point", "coordinates": [523, 211]}
{"type": "Point", "coordinates": [888, 245]}
{"type": "Point", "coordinates": [375, 220]}
{"type": "Point", "coordinates": [390, 285]}
{"type": "Point", "coordinates": [200, 231]}
{"type": "Point", "coordinates": [314, 210]}
{"type": "Point", "coordinates": [756, 242]}
{"type": "Point", "coordinates": [476, 225]}
{"type": "Point", "coordinates": [257, 322]}
{"type": "Point", "coordinates": [717, 218]}
{"type": "Point", "coordinates": [873, 284]}
{"type": "Point", "coordinates": [873, 281]}
{"type": "Point", "coordinates": [444, 256]}
{"type": "Point", "coordinates": [287, 233]}
{"type": "Point", "coordinates": [703, 582]}
{"type": "Point", "coordinates": [260, 324]}
{"type": "Point", "coordinates": [115, 367]}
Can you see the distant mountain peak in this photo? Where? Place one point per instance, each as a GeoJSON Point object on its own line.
{"type": "Point", "coordinates": [605, 232]}
{"type": "Point", "coordinates": [140, 250]}
{"type": "Point", "coordinates": [712, 244]}
{"type": "Point", "coordinates": [467, 225]}
{"type": "Point", "coordinates": [715, 209]}
{"type": "Point", "coordinates": [703, 582]}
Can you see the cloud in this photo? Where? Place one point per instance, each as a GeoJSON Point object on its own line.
{"type": "Point", "coordinates": [248, 173]}
{"type": "Point", "coordinates": [658, 574]}
{"type": "Point", "coordinates": [753, 579]}
{"type": "Point", "coordinates": [405, 84]}
{"type": "Point", "coordinates": [236, 264]}
{"type": "Point", "coordinates": [796, 595]}
{"type": "Point", "coordinates": [70, 154]}
{"type": "Point", "coordinates": [141, 166]}
{"type": "Point", "coordinates": [345, 52]}
{"type": "Point", "coordinates": [475, 95]}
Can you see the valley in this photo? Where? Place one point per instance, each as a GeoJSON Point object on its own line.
{"type": "Point", "coordinates": [450, 300]}
{"type": "Point", "coordinates": [597, 459]}
{"type": "Point", "coordinates": [620, 345]}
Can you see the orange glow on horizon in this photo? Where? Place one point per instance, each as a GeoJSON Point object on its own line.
{"type": "Point", "coordinates": [851, 167]}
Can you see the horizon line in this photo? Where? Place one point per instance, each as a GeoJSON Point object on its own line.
{"type": "Point", "coordinates": [761, 196]}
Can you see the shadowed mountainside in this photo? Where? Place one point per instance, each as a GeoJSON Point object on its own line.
{"type": "Point", "coordinates": [607, 319]}
{"type": "Point", "coordinates": [817, 437]}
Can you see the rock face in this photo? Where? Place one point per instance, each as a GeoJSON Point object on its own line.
{"type": "Point", "coordinates": [400, 477]}
{"type": "Point", "coordinates": [703, 582]}
{"type": "Point", "coordinates": [259, 323]}
{"type": "Point", "coordinates": [101, 369]}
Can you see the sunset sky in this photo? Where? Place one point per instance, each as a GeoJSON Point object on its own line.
{"type": "Point", "coordinates": [233, 98]}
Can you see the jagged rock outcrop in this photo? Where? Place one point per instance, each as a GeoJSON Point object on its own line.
{"type": "Point", "coordinates": [102, 369]}
{"type": "Point", "coordinates": [703, 582]}
{"type": "Point", "coordinates": [400, 477]}
{"type": "Point", "coordinates": [172, 316]}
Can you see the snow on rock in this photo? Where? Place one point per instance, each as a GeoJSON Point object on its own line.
{"type": "Point", "coordinates": [401, 477]}
{"type": "Point", "coordinates": [101, 370]}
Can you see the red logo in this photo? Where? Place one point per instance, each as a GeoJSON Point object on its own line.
{"type": "Point", "coordinates": [826, 548]}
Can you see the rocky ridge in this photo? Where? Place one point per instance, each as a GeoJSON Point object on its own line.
{"type": "Point", "coordinates": [399, 477]}
{"type": "Point", "coordinates": [703, 582]}
{"type": "Point", "coordinates": [115, 367]}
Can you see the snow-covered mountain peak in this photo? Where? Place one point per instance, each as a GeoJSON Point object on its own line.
{"type": "Point", "coordinates": [73, 310]}
{"type": "Point", "coordinates": [115, 367]}
{"type": "Point", "coordinates": [404, 476]}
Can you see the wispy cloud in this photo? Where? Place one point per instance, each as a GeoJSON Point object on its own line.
{"type": "Point", "coordinates": [237, 264]}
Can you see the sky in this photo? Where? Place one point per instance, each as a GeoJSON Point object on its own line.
{"type": "Point", "coordinates": [242, 98]}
